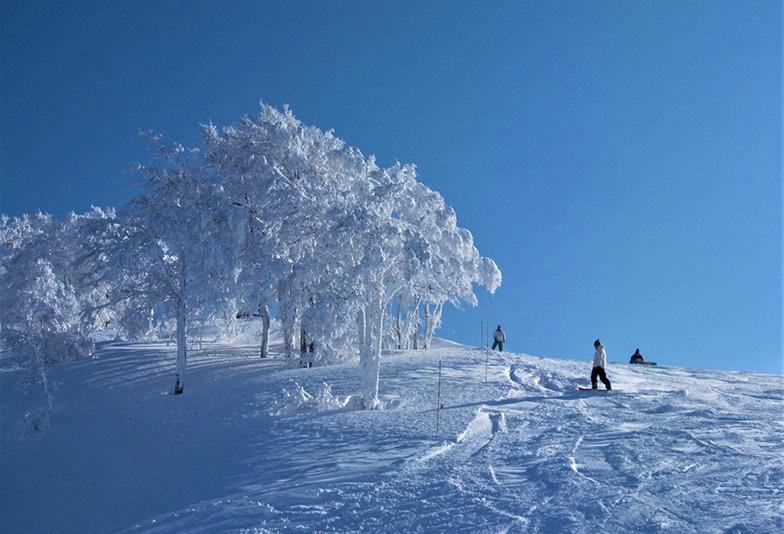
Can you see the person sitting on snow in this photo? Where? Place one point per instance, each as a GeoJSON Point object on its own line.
{"type": "Point", "coordinates": [599, 363]}
{"type": "Point", "coordinates": [637, 358]}
{"type": "Point", "coordinates": [498, 339]}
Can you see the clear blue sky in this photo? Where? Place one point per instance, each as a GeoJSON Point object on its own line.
{"type": "Point", "coordinates": [620, 161]}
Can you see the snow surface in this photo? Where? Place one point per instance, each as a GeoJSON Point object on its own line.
{"type": "Point", "coordinates": [256, 446]}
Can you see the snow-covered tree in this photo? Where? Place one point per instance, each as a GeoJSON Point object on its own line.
{"type": "Point", "coordinates": [293, 185]}
{"type": "Point", "coordinates": [416, 250]}
{"type": "Point", "coordinates": [177, 253]}
{"type": "Point", "coordinates": [45, 310]}
{"type": "Point", "coordinates": [270, 213]}
{"type": "Point", "coordinates": [338, 238]}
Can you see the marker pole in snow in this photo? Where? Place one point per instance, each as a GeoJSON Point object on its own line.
{"type": "Point", "coordinates": [487, 361]}
{"type": "Point", "coordinates": [438, 409]}
{"type": "Point", "coordinates": [481, 322]}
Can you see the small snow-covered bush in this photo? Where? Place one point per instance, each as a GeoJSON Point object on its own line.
{"type": "Point", "coordinates": [297, 400]}
{"type": "Point", "coordinates": [40, 317]}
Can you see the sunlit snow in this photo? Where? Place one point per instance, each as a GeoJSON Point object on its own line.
{"type": "Point", "coordinates": [258, 446]}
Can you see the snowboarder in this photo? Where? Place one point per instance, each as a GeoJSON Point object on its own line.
{"type": "Point", "coordinates": [637, 358]}
{"type": "Point", "coordinates": [498, 339]}
{"type": "Point", "coordinates": [599, 364]}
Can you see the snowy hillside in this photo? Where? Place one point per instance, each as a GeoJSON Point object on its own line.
{"type": "Point", "coordinates": [245, 450]}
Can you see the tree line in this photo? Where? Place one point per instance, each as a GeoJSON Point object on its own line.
{"type": "Point", "coordinates": [266, 216]}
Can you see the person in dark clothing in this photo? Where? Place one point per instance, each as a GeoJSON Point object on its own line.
{"type": "Point", "coordinates": [637, 358]}
{"type": "Point", "coordinates": [498, 339]}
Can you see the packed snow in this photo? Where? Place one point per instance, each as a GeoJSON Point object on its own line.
{"type": "Point", "coordinates": [260, 446]}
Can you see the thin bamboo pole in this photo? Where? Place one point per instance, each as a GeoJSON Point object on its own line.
{"type": "Point", "coordinates": [438, 408]}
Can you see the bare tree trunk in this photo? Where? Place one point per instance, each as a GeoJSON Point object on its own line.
{"type": "Point", "coordinates": [288, 340]}
{"type": "Point", "coordinates": [432, 320]}
{"type": "Point", "coordinates": [264, 311]}
{"type": "Point", "coordinates": [371, 323]}
{"type": "Point", "coordinates": [417, 326]}
{"type": "Point", "coordinates": [41, 422]}
{"type": "Point", "coordinates": [427, 326]}
{"type": "Point", "coordinates": [288, 314]}
{"type": "Point", "coordinates": [306, 349]}
{"type": "Point", "coordinates": [361, 333]}
{"type": "Point", "coordinates": [398, 331]}
{"type": "Point", "coordinates": [387, 320]}
{"type": "Point", "coordinates": [179, 384]}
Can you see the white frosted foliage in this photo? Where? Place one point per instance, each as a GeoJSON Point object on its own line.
{"type": "Point", "coordinates": [270, 215]}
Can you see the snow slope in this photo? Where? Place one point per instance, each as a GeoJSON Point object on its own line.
{"type": "Point", "coordinates": [245, 450]}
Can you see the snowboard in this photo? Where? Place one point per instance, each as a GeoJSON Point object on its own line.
{"type": "Point", "coordinates": [591, 389]}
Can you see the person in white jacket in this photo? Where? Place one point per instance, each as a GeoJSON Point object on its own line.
{"type": "Point", "coordinates": [498, 339]}
{"type": "Point", "coordinates": [599, 366]}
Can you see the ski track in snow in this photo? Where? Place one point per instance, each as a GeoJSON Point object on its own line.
{"type": "Point", "coordinates": [673, 450]}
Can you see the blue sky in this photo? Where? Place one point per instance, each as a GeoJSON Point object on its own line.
{"type": "Point", "coordinates": [620, 161]}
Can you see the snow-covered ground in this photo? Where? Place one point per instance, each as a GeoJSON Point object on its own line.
{"type": "Point", "coordinates": [517, 448]}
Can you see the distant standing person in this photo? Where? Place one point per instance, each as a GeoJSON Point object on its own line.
{"type": "Point", "coordinates": [498, 339]}
{"type": "Point", "coordinates": [599, 365]}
